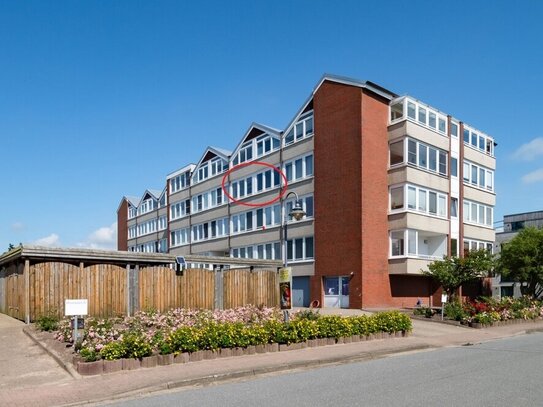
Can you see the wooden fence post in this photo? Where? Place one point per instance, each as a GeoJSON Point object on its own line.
{"type": "Point", "coordinates": [219, 288]}
{"type": "Point", "coordinates": [128, 310]}
{"type": "Point", "coordinates": [133, 290]}
{"type": "Point", "coordinates": [27, 290]}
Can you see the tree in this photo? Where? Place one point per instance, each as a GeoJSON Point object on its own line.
{"type": "Point", "coordinates": [521, 260]}
{"type": "Point", "coordinates": [452, 272]}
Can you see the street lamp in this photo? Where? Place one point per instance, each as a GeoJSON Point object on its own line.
{"type": "Point", "coordinates": [297, 213]}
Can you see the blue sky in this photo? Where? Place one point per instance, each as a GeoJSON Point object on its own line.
{"type": "Point", "coordinates": [100, 99]}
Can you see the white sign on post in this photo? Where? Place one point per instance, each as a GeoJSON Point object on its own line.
{"type": "Point", "coordinates": [76, 307]}
{"type": "Point", "coordinates": [444, 298]}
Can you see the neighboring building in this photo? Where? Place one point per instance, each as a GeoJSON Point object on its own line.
{"type": "Point", "coordinates": [512, 224]}
{"type": "Point", "coordinates": [388, 184]}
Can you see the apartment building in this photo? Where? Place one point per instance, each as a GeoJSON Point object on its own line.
{"type": "Point", "coordinates": [388, 184]}
{"type": "Point", "coordinates": [512, 225]}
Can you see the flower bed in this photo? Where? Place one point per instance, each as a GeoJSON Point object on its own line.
{"type": "Point", "coordinates": [246, 328]}
{"type": "Point", "coordinates": [490, 311]}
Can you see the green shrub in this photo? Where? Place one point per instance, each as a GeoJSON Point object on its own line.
{"type": "Point", "coordinates": [88, 354]}
{"type": "Point", "coordinates": [113, 350]}
{"type": "Point", "coordinates": [184, 339]}
{"type": "Point", "coordinates": [454, 310]}
{"type": "Point", "coordinates": [48, 322]}
{"type": "Point", "coordinates": [136, 346]}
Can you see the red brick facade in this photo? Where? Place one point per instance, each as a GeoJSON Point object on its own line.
{"type": "Point", "coordinates": [122, 226]}
{"type": "Point", "coordinates": [351, 199]}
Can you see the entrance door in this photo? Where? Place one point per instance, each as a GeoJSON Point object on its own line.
{"type": "Point", "coordinates": [336, 292]}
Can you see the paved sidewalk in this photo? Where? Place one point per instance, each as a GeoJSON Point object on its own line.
{"type": "Point", "coordinates": [426, 336]}
{"type": "Point", "coordinates": [22, 362]}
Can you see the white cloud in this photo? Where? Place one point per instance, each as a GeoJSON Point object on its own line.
{"type": "Point", "coordinates": [102, 238]}
{"type": "Point", "coordinates": [530, 151]}
{"type": "Point", "coordinates": [17, 226]}
{"type": "Point", "coordinates": [52, 240]}
{"type": "Point", "coordinates": [534, 176]}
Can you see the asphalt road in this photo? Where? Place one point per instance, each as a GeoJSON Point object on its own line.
{"type": "Point", "coordinates": [505, 372]}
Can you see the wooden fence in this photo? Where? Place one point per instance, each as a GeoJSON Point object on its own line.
{"type": "Point", "coordinates": [113, 290]}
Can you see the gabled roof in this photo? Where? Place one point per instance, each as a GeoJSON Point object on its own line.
{"type": "Point", "coordinates": [346, 81]}
{"type": "Point", "coordinates": [220, 152]}
{"type": "Point", "coordinates": [186, 168]}
{"type": "Point", "coordinates": [153, 193]}
{"type": "Point", "coordinates": [255, 130]}
{"type": "Point", "coordinates": [387, 94]}
{"type": "Point", "coordinates": [132, 200]}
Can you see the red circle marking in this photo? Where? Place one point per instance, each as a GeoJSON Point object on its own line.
{"type": "Point", "coordinates": [238, 166]}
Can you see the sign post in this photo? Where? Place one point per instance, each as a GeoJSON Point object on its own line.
{"type": "Point", "coordinates": [443, 301]}
{"type": "Point", "coordinates": [285, 290]}
{"type": "Point", "coordinates": [76, 308]}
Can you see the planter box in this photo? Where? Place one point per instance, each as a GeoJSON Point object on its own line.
{"type": "Point", "coordinates": [149, 361]}
{"type": "Point", "coordinates": [90, 368]}
{"type": "Point", "coordinates": [210, 354]}
{"type": "Point", "coordinates": [355, 338]}
{"type": "Point", "coordinates": [111, 366]}
{"type": "Point", "coordinates": [181, 358]}
{"type": "Point", "coordinates": [164, 360]}
{"type": "Point", "coordinates": [250, 350]}
{"type": "Point", "coordinates": [347, 339]}
{"type": "Point", "coordinates": [237, 352]}
{"type": "Point", "coordinates": [260, 348]}
{"type": "Point", "coordinates": [225, 353]}
{"type": "Point", "coordinates": [196, 356]}
{"type": "Point", "coordinates": [272, 347]}
{"type": "Point", "coordinates": [131, 364]}
{"type": "Point", "coordinates": [313, 343]}
{"type": "Point", "coordinates": [341, 339]}
{"type": "Point", "coordinates": [330, 341]}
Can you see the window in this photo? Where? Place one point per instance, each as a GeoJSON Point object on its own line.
{"type": "Point", "coordinates": [179, 237]}
{"type": "Point", "coordinates": [454, 207]}
{"type": "Point", "coordinates": [180, 182]}
{"type": "Point", "coordinates": [422, 115]}
{"type": "Point", "coordinates": [432, 152]}
{"type": "Point", "coordinates": [422, 200]}
{"type": "Point", "coordinates": [396, 198]}
{"type": "Point", "coordinates": [478, 213]}
{"type": "Point", "coordinates": [454, 167]}
{"type": "Point", "coordinates": [478, 176]}
{"type": "Point", "coordinates": [300, 248]}
{"type": "Point", "coordinates": [411, 197]}
{"type": "Point", "coordinates": [299, 168]}
{"type": "Point", "coordinates": [426, 157]}
{"type": "Point", "coordinates": [442, 125]}
{"type": "Point", "coordinates": [396, 153]}
{"type": "Point", "coordinates": [396, 111]}
{"type": "Point", "coordinates": [411, 110]}
{"type": "Point", "coordinates": [302, 129]}
{"type": "Point", "coordinates": [478, 141]}
{"type": "Point", "coordinates": [308, 165]}
{"type": "Point", "coordinates": [132, 212]}
{"type": "Point", "coordinates": [307, 205]}
{"type": "Point", "coordinates": [397, 243]}
{"type": "Point", "coordinates": [432, 207]}
{"type": "Point", "coordinates": [423, 157]}
{"type": "Point", "coordinates": [454, 247]}
{"type": "Point", "coordinates": [412, 242]}
{"type": "Point", "coordinates": [454, 129]}
{"type": "Point", "coordinates": [432, 120]}
{"type": "Point", "coordinates": [412, 152]}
